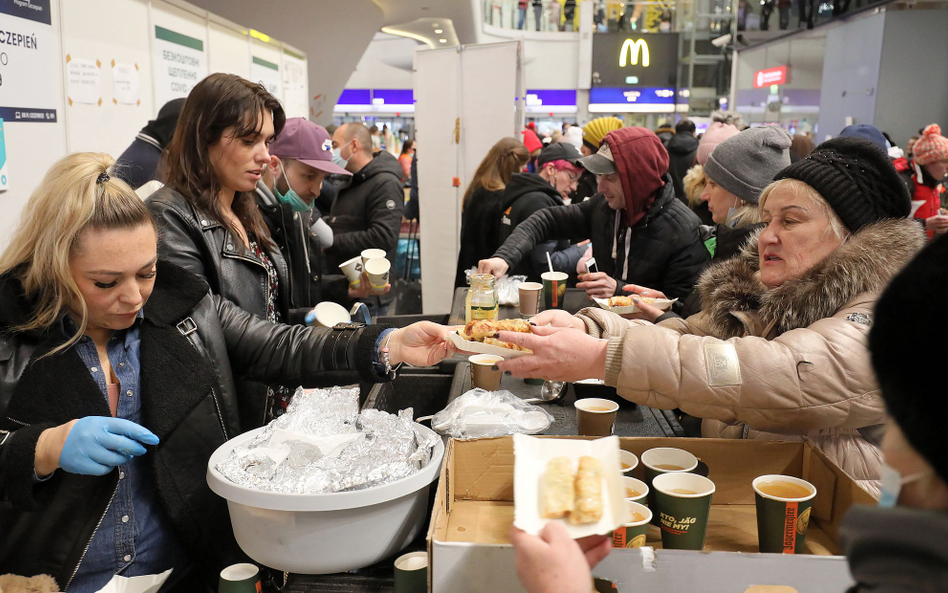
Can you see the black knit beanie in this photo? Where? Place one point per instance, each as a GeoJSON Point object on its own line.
{"type": "Point", "coordinates": [897, 338]}
{"type": "Point", "coordinates": [856, 179]}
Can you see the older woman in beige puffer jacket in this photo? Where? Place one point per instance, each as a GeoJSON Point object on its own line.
{"type": "Point", "coordinates": [779, 350]}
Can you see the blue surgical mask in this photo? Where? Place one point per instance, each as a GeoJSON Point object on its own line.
{"type": "Point", "coordinates": [892, 482]}
{"type": "Point", "coordinates": [291, 197]}
{"type": "Point", "coordinates": [337, 157]}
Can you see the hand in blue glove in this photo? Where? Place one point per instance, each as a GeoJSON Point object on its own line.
{"type": "Point", "coordinates": [97, 444]}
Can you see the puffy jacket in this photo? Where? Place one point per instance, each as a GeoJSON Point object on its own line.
{"type": "Point", "coordinates": [921, 187]}
{"type": "Point", "coordinates": [784, 363]}
{"type": "Point", "coordinates": [207, 249]}
{"type": "Point", "coordinates": [525, 194]}
{"type": "Point", "coordinates": [682, 149]}
{"type": "Point", "coordinates": [667, 251]}
{"type": "Point", "coordinates": [302, 251]}
{"type": "Point", "coordinates": [192, 344]}
{"type": "Point", "coordinates": [367, 213]}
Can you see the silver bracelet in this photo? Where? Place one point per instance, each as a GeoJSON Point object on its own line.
{"type": "Point", "coordinates": [386, 361]}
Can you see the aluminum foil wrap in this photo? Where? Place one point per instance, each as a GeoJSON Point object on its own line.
{"type": "Point", "coordinates": [324, 444]}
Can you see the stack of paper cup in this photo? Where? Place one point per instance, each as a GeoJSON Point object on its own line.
{"type": "Point", "coordinates": [368, 254]}
{"type": "Point", "coordinates": [377, 270]}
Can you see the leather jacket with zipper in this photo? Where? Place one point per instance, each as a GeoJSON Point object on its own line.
{"type": "Point", "coordinates": [193, 345]}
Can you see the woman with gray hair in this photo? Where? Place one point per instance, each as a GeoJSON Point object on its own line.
{"type": "Point", "coordinates": [779, 350]}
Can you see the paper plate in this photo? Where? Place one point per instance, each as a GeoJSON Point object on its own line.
{"type": "Point", "coordinates": [531, 455]}
{"type": "Point", "coordinates": [482, 348]}
{"type": "Point", "coordinates": [663, 304]}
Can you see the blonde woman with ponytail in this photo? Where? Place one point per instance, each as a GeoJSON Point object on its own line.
{"type": "Point", "coordinates": [480, 208]}
{"type": "Point", "coordinates": [116, 387]}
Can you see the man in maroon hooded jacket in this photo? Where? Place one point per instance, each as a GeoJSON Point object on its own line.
{"type": "Point", "coordinates": [641, 234]}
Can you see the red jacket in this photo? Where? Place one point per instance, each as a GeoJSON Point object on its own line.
{"type": "Point", "coordinates": [931, 196]}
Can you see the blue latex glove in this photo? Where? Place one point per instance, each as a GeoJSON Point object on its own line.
{"type": "Point", "coordinates": [310, 317]}
{"type": "Point", "coordinates": [97, 444]}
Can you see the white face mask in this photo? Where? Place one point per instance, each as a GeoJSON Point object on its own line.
{"type": "Point", "coordinates": [731, 213]}
{"type": "Point", "coordinates": [892, 482]}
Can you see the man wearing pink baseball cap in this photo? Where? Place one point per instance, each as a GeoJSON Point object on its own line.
{"type": "Point", "coordinates": [300, 159]}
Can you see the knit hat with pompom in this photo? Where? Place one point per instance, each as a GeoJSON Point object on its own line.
{"type": "Point", "coordinates": [931, 147]}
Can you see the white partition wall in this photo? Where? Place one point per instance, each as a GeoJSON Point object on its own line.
{"type": "Point", "coordinates": [466, 99]}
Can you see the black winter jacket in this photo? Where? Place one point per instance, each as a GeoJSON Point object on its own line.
{"type": "Point", "coordinates": [206, 248]}
{"type": "Point", "coordinates": [188, 400]}
{"type": "Point", "coordinates": [665, 246]}
{"type": "Point", "coordinates": [525, 194]}
{"type": "Point", "coordinates": [728, 243]}
{"type": "Point", "coordinates": [367, 213]}
{"type": "Point", "coordinates": [480, 231]}
{"type": "Point", "coordinates": [302, 251]}
{"type": "Point", "coordinates": [682, 149]}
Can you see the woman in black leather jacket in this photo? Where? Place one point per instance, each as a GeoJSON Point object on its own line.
{"type": "Point", "coordinates": [208, 217]}
{"type": "Point", "coordinates": [117, 383]}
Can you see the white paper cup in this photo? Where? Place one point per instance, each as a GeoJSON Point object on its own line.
{"type": "Point", "coordinates": [329, 314]}
{"type": "Point", "coordinates": [353, 271]}
{"type": "Point", "coordinates": [368, 254]}
{"type": "Point", "coordinates": [377, 270]}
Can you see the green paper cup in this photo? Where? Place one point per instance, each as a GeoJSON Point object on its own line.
{"type": "Point", "coordinates": [411, 573]}
{"type": "Point", "coordinates": [663, 460]}
{"type": "Point", "coordinates": [240, 578]}
{"type": "Point", "coordinates": [627, 461]}
{"type": "Point", "coordinates": [635, 490]}
{"type": "Point", "coordinates": [632, 534]}
{"type": "Point", "coordinates": [783, 512]}
{"type": "Point", "coordinates": [554, 289]}
{"type": "Point", "coordinates": [684, 503]}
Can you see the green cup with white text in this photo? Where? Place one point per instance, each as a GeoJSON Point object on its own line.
{"type": "Point", "coordinates": [684, 504]}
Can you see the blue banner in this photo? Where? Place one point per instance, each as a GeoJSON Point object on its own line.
{"type": "Point", "coordinates": [632, 96]}
{"type": "Point", "coordinates": [34, 10]}
{"type": "Point", "coordinates": [27, 114]}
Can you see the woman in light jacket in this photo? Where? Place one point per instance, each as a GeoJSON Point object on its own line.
{"type": "Point", "coordinates": [779, 348]}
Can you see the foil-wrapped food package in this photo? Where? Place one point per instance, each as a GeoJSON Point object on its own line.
{"type": "Point", "coordinates": [324, 444]}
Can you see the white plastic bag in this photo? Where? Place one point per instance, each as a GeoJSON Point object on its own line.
{"type": "Point", "coordinates": [479, 413]}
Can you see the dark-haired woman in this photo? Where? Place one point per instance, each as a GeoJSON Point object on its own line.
{"type": "Point", "coordinates": [210, 224]}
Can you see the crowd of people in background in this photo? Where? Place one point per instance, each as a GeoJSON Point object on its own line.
{"type": "Point", "coordinates": [189, 267]}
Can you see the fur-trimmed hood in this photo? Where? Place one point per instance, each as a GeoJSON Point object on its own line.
{"type": "Point", "coordinates": [864, 263]}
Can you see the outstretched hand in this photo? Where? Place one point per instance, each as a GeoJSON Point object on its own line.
{"type": "Point", "coordinates": [559, 354]}
{"type": "Point", "coordinates": [552, 562]}
{"type": "Point", "coordinates": [420, 344]}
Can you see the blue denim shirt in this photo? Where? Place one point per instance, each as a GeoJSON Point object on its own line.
{"type": "Point", "coordinates": [134, 537]}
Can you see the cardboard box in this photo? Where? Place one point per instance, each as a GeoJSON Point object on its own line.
{"type": "Point", "coordinates": [469, 550]}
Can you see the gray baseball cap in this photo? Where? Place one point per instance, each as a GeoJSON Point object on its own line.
{"type": "Point", "coordinates": [600, 163]}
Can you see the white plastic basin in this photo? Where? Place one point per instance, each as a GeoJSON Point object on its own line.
{"type": "Point", "coordinates": [325, 533]}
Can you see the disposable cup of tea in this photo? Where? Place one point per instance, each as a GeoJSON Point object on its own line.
{"type": "Point", "coordinates": [240, 578]}
{"type": "Point", "coordinates": [632, 534]}
{"type": "Point", "coordinates": [627, 461]}
{"type": "Point", "coordinates": [328, 314]}
{"type": "Point", "coordinates": [411, 573]}
{"type": "Point", "coordinates": [554, 289]}
{"type": "Point", "coordinates": [683, 503]}
{"type": "Point", "coordinates": [530, 298]}
{"type": "Point", "coordinates": [783, 512]}
{"type": "Point", "coordinates": [663, 460]}
{"type": "Point", "coordinates": [481, 374]}
{"type": "Point", "coordinates": [353, 270]}
{"type": "Point", "coordinates": [595, 417]}
{"type": "Point", "coordinates": [635, 489]}
{"type": "Point", "coordinates": [368, 254]}
{"type": "Point", "coordinates": [377, 270]}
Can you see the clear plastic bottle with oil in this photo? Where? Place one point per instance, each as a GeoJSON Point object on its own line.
{"type": "Point", "coordinates": [481, 299]}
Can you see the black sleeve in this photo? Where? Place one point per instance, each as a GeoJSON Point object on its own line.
{"type": "Point", "coordinates": [559, 222]}
{"type": "Point", "coordinates": [295, 354]}
{"type": "Point", "coordinates": [683, 269]}
{"type": "Point", "coordinates": [17, 458]}
{"type": "Point", "coordinates": [179, 241]}
{"type": "Point", "coordinates": [384, 224]}
{"type": "Point", "coordinates": [412, 210]}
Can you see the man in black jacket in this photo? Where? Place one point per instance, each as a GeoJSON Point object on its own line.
{"type": "Point", "coordinates": [367, 212]}
{"type": "Point", "coordinates": [300, 159]}
{"type": "Point", "coordinates": [682, 149]}
{"type": "Point", "coordinates": [640, 233]}
{"type": "Point", "coordinates": [556, 176]}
